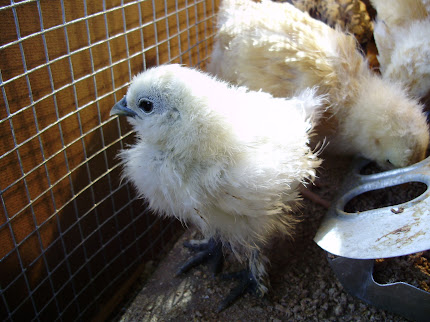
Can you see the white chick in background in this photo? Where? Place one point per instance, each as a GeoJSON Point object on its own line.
{"type": "Point", "coordinates": [228, 160]}
{"type": "Point", "coordinates": [279, 49]}
{"type": "Point", "coordinates": [402, 36]}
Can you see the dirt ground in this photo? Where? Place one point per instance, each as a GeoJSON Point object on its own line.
{"type": "Point", "coordinates": [303, 286]}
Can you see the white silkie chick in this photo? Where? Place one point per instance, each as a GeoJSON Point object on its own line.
{"type": "Point", "coordinates": [402, 36]}
{"type": "Point", "coordinates": [228, 160]}
{"type": "Point", "coordinates": [279, 49]}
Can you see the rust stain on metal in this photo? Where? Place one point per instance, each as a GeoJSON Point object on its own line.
{"type": "Point", "coordinates": [403, 241]}
{"type": "Point", "coordinates": [400, 230]}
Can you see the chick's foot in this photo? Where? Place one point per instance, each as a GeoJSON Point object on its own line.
{"type": "Point", "coordinates": [247, 283]}
{"type": "Point", "coordinates": [207, 251]}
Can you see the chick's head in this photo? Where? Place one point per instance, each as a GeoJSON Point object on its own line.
{"type": "Point", "coordinates": [151, 104]}
{"type": "Point", "coordinates": [401, 151]}
{"type": "Point", "coordinates": [168, 107]}
{"type": "Point", "coordinates": [387, 126]}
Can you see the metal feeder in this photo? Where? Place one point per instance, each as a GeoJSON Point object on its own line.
{"type": "Point", "coordinates": [359, 238]}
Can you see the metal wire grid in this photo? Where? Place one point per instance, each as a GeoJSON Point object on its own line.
{"type": "Point", "coordinates": [130, 240]}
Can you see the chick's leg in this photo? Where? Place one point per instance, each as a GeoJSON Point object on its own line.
{"type": "Point", "coordinates": [207, 251]}
{"type": "Point", "coordinates": [312, 196]}
{"type": "Point", "coordinates": [253, 279]}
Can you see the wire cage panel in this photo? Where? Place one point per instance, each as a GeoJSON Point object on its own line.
{"type": "Point", "coordinates": [73, 236]}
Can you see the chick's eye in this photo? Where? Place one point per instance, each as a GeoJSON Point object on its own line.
{"type": "Point", "coordinates": [146, 106]}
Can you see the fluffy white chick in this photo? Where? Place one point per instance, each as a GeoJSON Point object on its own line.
{"type": "Point", "coordinates": [223, 158]}
{"type": "Point", "coordinates": [279, 49]}
{"type": "Point", "coordinates": [402, 36]}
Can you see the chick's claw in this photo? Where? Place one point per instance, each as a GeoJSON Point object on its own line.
{"type": "Point", "coordinates": [208, 251]}
{"type": "Point", "coordinates": [247, 283]}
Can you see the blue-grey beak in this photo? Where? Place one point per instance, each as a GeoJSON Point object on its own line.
{"type": "Point", "coordinates": [121, 109]}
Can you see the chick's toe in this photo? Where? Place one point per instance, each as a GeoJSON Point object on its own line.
{"type": "Point", "coordinates": [246, 283]}
{"type": "Point", "coordinates": [207, 251]}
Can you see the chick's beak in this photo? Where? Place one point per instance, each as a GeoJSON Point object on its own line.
{"type": "Point", "coordinates": [121, 109]}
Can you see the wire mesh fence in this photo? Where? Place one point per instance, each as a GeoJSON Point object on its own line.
{"type": "Point", "coordinates": [72, 235]}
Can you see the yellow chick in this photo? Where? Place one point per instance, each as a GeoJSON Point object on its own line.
{"type": "Point", "coordinates": [279, 49]}
{"type": "Point", "coordinates": [402, 36]}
